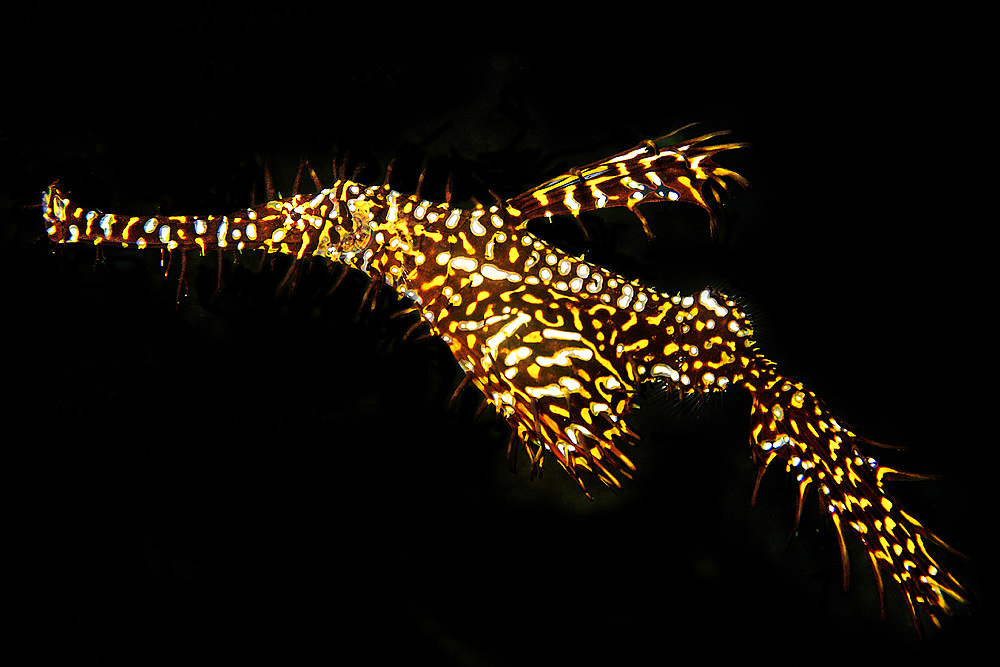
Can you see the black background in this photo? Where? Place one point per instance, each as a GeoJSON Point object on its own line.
{"type": "Point", "coordinates": [277, 477]}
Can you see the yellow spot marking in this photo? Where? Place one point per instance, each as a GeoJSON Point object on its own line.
{"type": "Point", "coordinates": [469, 248]}
{"type": "Point", "coordinates": [435, 236]}
{"type": "Point", "coordinates": [686, 182]}
{"type": "Point", "coordinates": [128, 226]}
{"type": "Point", "coordinates": [506, 296]}
{"type": "Point", "coordinates": [540, 316]}
{"type": "Point", "coordinates": [654, 320]}
{"type": "Point", "coordinates": [305, 242]}
{"type": "Point", "coordinates": [638, 345]}
{"type": "Point", "coordinates": [726, 359]}
{"type": "Point", "coordinates": [633, 319]}
{"type": "Point", "coordinates": [436, 281]}
{"type": "Point", "coordinates": [601, 307]}
{"type": "Point", "coordinates": [561, 411]}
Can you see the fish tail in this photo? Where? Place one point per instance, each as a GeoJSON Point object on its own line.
{"type": "Point", "coordinates": [792, 424]}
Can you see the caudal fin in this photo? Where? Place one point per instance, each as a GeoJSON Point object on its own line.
{"type": "Point", "coordinates": [792, 424]}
